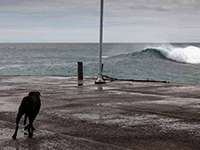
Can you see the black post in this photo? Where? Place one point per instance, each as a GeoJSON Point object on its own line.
{"type": "Point", "coordinates": [102, 69]}
{"type": "Point", "coordinates": [80, 73]}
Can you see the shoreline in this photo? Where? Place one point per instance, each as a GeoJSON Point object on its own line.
{"type": "Point", "coordinates": [106, 78]}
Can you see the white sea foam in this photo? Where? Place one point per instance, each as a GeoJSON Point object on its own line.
{"type": "Point", "coordinates": [189, 54]}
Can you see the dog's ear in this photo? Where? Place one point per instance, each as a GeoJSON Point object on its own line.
{"type": "Point", "coordinates": [37, 93]}
{"type": "Point", "coordinates": [31, 93]}
{"type": "Point", "coordinates": [34, 93]}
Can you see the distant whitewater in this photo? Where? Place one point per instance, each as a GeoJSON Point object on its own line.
{"type": "Point", "coordinates": [176, 62]}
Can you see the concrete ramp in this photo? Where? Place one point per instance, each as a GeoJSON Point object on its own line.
{"type": "Point", "coordinates": [117, 115]}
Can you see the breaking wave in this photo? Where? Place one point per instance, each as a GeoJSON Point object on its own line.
{"type": "Point", "coordinates": [189, 54]}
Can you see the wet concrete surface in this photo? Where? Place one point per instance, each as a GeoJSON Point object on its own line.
{"type": "Point", "coordinates": [117, 115]}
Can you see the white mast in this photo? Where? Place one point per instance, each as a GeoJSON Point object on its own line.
{"type": "Point", "coordinates": [100, 79]}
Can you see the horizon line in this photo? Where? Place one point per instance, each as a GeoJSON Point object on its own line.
{"type": "Point", "coordinates": [54, 42]}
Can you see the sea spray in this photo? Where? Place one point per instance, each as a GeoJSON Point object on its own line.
{"type": "Point", "coordinates": [189, 54]}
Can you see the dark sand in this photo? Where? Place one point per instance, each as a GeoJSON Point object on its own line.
{"type": "Point", "coordinates": [117, 115]}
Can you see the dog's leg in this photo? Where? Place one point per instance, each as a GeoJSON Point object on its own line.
{"type": "Point", "coordinates": [25, 127]}
{"type": "Point", "coordinates": [19, 115]}
{"type": "Point", "coordinates": [25, 118]}
{"type": "Point", "coordinates": [30, 127]}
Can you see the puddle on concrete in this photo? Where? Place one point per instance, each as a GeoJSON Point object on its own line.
{"type": "Point", "coordinates": [197, 106]}
{"type": "Point", "coordinates": [181, 89]}
{"type": "Point", "coordinates": [165, 123]}
{"type": "Point", "coordinates": [124, 120]}
{"type": "Point", "coordinates": [17, 80]}
{"type": "Point", "coordinates": [5, 87]}
{"type": "Point", "coordinates": [139, 120]}
{"type": "Point", "coordinates": [181, 126]}
{"type": "Point", "coordinates": [174, 101]}
{"type": "Point", "coordinates": [100, 88]}
{"type": "Point", "coordinates": [6, 105]}
{"type": "Point", "coordinates": [119, 92]}
{"type": "Point", "coordinates": [85, 116]}
{"type": "Point", "coordinates": [187, 102]}
{"type": "Point", "coordinates": [60, 78]}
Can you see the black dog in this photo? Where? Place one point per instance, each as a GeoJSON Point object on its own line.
{"type": "Point", "coordinates": [30, 107]}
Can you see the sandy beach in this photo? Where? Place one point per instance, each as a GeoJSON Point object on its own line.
{"type": "Point", "coordinates": [117, 115]}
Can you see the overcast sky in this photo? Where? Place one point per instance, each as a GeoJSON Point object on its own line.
{"type": "Point", "coordinates": [78, 20]}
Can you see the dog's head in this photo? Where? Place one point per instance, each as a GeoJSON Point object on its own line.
{"type": "Point", "coordinates": [34, 93]}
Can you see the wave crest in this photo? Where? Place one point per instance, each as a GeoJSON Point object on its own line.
{"type": "Point", "coordinates": [189, 54]}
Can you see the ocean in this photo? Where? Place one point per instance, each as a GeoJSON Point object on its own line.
{"type": "Point", "coordinates": [173, 62]}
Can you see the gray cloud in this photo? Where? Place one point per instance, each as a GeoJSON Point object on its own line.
{"type": "Point", "coordinates": [142, 20]}
{"type": "Point", "coordinates": [124, 5]}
